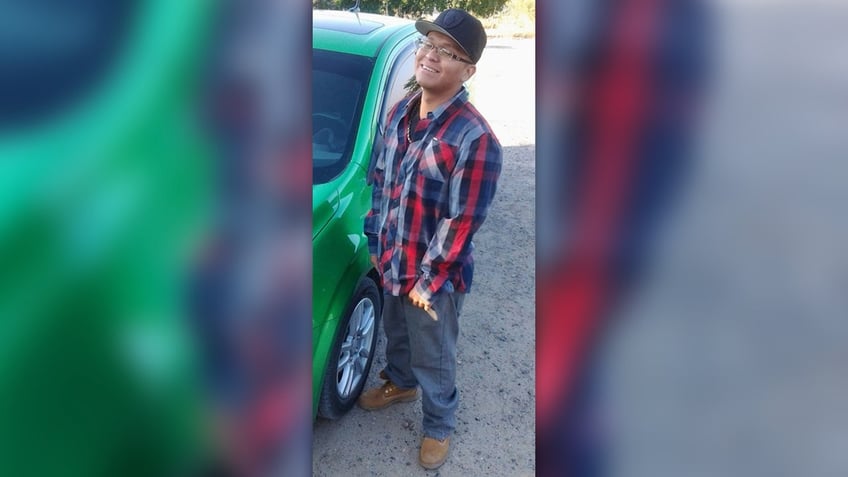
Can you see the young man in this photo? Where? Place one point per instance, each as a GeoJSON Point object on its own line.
{"type": "Point", "coordinates": [433, 185]}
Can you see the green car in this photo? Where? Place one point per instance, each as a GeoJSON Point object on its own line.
{"type": "Point", "coordinates": [361, 64]}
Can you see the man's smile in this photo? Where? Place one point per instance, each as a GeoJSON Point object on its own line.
{"type": "Point", "coordinates": [428, 69]}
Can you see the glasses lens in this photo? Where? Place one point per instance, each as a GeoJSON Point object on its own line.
{"type": "Point", "coordinates": [427, 47]}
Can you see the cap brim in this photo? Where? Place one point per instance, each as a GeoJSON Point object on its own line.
{"type": "Point", "coordinates": [424, 27]}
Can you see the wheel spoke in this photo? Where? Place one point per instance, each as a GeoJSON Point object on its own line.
{"type": "Point", "coordinates": [355, 320]}
{"type": "Point", "coordinates": [367, 323]}
{"type": "Point", "coordinates": [347, 346]}
{"type": "Point", "coordinates": [344, 360]}
{"type": "Point", "coordinates": [346, 381]}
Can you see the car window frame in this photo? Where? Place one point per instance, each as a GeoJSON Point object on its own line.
{"type": "Point", "coordinates": [394, 82]}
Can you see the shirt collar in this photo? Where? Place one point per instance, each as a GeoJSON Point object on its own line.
{"type": "Point", "coordinates": [460, 97]}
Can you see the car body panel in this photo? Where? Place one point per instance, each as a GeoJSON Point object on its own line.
{"type": "Point", "coordinates": [340, 250]}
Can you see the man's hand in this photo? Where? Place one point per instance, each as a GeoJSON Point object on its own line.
{"type": "Point", "coordinates": [419, 300]}
{"type": "Point", "coordinates": [374, 262]}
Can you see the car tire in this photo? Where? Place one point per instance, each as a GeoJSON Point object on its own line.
{"type": "Point", "coordinates": [347, 368]}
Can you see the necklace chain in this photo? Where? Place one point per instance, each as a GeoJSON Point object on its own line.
{"type": "Point", "coordinates": [414, 114]}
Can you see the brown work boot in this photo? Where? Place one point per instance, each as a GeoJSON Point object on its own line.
{"type": "Point", "coordinates": [388, 393]}
{"type": "Point", "coordinates": [433, 452]}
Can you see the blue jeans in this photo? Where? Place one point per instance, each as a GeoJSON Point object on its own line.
{"type": "Point", "coordinates": [421, 351]}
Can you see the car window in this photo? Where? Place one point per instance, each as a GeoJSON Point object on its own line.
{"type": "Point", "coordinates": [397, 86]}
{"type": "Point", "coordinates": [402, 70]}
{"type": "Point", "coordinates": [339, 84]}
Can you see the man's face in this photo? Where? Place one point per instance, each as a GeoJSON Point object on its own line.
{"type": "Point", "coordinates": [438, 74]}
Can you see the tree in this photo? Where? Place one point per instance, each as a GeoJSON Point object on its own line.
{"type": "Point", "coordinates": [415, 8]}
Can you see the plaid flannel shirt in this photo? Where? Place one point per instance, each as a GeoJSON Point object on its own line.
{"type": "Point", "coordinates": [430, 197]}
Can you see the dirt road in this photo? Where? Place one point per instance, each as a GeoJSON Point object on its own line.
{"type": "Point", "coordinates": [495, 432]}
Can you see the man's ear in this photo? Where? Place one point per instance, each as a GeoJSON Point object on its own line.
{"type": "Point", "coordinates": [469, 72]}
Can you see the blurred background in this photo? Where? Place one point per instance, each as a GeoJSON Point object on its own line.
{"type": "Point", "coordinates": [691, 299]}
{"type": "Point", "coordinates": [154, 292]}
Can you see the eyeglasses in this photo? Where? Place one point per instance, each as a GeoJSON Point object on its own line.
{"type": "Point", "coordinates": [424, 44]}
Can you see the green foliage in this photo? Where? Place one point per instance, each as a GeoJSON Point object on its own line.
{"type": "Point", "coordinates": [415, 8]}
{"type": "Point", "coordinates": [411, 85]}
{"type": "Point", "coordinates": [516, 20]}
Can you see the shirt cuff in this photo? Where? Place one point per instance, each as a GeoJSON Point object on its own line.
{"type": "Point", "coordinates": [427, 286]}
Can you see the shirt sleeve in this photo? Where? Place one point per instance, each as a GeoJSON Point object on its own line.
{"type": "Point", "coordinates": [472, 189]}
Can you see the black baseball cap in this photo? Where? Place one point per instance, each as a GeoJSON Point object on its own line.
{"type": "Point", "coordinates": [462, 27]}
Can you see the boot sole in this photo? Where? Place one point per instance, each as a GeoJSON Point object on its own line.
{"type": "Point", "coordinates": [433, 466]}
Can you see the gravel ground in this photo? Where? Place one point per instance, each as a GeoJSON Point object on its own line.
{"type": "Point", "coordinates": [495, 433]}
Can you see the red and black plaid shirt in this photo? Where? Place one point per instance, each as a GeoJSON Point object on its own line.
{"type": "Point", "coordinates": [431, 195]}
